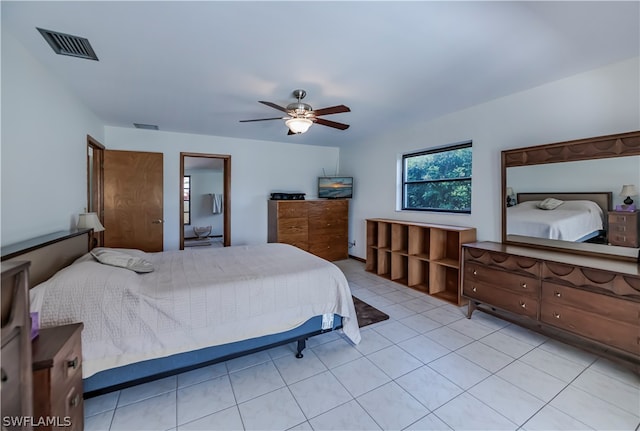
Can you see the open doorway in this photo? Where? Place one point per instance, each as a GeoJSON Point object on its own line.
{"type": "Point", "coordinates": [205, 200]}
{"type": "Point", "coordinates": [95, 184]}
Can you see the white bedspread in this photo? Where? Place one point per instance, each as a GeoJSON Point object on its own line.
{"type": "Point", "coordinates": [569, 222]}
{"type": "Point", "coordinates": [194, 299]}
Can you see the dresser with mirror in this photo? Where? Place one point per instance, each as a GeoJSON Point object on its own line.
{"type": "Point", "coordinates": [568, 265]}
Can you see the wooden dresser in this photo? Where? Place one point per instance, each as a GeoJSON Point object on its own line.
{"type": "Point", "coordinates": [624, 227]}
{"type": "Point", "coordinates": [320, 227]}
{"type": "Point", "coordinates": [57, 378]}
{"type": "Point", "coordinates": [590, 301]}
{"type": "Point", "coordinates": [16, 346]}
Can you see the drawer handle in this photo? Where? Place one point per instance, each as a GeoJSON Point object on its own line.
{"type": "Point", "coordinates": [475, 272]}
{"type": "Point", "coordinates": [557, 294]}
{"type": "Point", "coordinates": [523, 304]}
{"type": "Point", "coordinates": [524, 285]}
{"type": "Point", "coordinates": [4, 377]}
{"type": "Point", "coordinates": [474, 289]}
{"type": "Point", "coordinates": [556, 315]}
{"type": "Point", "coordinates": [73, 363]}
{"type": "Point", "coordinates": [75, 401]}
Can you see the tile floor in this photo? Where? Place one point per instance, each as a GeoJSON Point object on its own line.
{"type": "Point", "coordinates": [426, 368]}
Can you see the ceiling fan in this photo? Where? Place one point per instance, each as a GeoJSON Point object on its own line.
{"type": "Point", "coordinates": [301, 115]}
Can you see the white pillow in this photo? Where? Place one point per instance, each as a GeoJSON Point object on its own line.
{"type": "Point", "coordinates": [121, 259]}
{"type": "Point", "coordinates": [549, 204]}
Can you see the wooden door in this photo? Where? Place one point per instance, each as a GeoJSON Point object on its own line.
{"type": "Point", "coordinates": [133, 200]}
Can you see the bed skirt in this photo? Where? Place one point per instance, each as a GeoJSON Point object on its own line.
{"type": "Point", "coordinates": [145, 371]}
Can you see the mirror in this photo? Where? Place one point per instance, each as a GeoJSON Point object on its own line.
{"type": "Point", "coordinates": [586, 176]}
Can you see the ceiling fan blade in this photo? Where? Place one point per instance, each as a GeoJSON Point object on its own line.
{"type": "Point", "coordinates": [273, 105]}
{"type": "Point", "coordinates": [261, 119]}
{"type": "Point", "coordinates": [290, 132]}
{"type": "Point", "coordinates": [331, 110]}
{"type": "Point", "coordinates": [333, 124]}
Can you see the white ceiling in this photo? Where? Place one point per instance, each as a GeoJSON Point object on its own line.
{"type": "Point", "coordinates": [201, 66]}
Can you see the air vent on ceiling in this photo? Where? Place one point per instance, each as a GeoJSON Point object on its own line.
{"type": "Point", "coordinates": [66, 44]}
{"type": "Point", "coordinates": [145, 126]}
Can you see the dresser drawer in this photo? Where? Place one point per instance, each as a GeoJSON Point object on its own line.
{"type": "Point", "coordinates": [292, 209]}
{"type": "Point", "coordinates": [12, 387]}
{"type": "Point", "coordinates": [508, 300]}
{"type": "Point", "coordinates": [332, 228]}
{"type": "Point", "coordinates": [504, 261]}
{"type": "Point", "coordinates": [67, 364]}
{"type": "Point", "coordinates": [602, 305]}
{"type": "Point", "coordinates": [331, 247]}
{"type": "Point", "coordinates": [627, 229]}
{"type": "Point", "coordinates": [516, 283]}
{"type": "Point", "coordinates": [72, 406]}
{"type": "Point", "coordinates": [623, 239]}
{"type": "Point", "coordinates": [623, 219]}
{"type": "Point", "coordinates": [330, 208]}
{"type": "Point", "coordinates": [622, 335]}
{"type": "Point", "coordinates": [57, 377]}
{"type": "Point", "coordinates": [294, 227]}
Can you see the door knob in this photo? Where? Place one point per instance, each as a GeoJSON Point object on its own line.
{"type": "Point", "coordinates": [158, 221]}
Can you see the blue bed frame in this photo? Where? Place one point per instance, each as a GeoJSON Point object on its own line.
{"type": "Point", "coordinates": [50, 253]}
{"type": "Point", "coordinates": [141, 372]}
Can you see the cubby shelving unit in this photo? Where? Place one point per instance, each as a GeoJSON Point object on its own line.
{"type": "Point", "coordinates": [421, 256]}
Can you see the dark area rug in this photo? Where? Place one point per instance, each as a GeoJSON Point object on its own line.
{"type": "Point", "coordinates": [367, 314]}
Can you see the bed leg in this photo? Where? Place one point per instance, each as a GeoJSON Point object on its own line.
{"type": "Point", "coordinates": [302, 343]}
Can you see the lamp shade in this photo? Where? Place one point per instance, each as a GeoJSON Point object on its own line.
{"type": "Point", "coordinates": [509, 191]}
{"type": "Point", "coordinates": [628, 190]}
{"type": "Point", "coordinates": [298, 125]}
{"type": "Point", "coordinates": [90, 221]}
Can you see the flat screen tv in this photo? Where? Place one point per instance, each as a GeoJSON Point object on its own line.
{"type": "Point", "coordinates": [335, 187]}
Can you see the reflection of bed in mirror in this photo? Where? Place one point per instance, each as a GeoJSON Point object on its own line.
{"type": "Point", "coordinates": [581, 217]}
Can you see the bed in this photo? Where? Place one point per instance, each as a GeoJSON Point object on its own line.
{"type": "Point", "coordinates": [578, 217]}
{"type": "Point", "coordinates": [141, 326]}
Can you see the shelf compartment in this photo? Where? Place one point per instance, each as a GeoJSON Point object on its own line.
{"type": "Point", "coordinates": [384, 264]}
{"type": "Point", "coordinates": [384, 236]}
{"type": "Point", "coordinates": [372, 234]}
{"type": "Point", "coordinates": [372, 259]}
{"type": "Point", "coordinates": [399, 238]}
{"type": "Point", "coordinates": [443, 281]}
{"type": "Point", "coordinates": [399, 268]}
{"type": "Point", "coordinates": [418, 277]}
{"type": "Point", "coordinates": [445, 246]}
{"type": "Point", "coordinates": [419, 241]}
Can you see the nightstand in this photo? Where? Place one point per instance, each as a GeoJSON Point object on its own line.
{"type": "Point", "coordinates": [57, 378]}
{"type": "Point", "coordinates": [623, 228]}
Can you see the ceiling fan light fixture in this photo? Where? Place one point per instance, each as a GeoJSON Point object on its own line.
{"type": "Point", "coordinates": [298, 125]}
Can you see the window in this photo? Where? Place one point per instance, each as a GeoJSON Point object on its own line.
{"type": "Point", "coordinates": [186, 198]}
{"type": "Point", "coordinates": [438, 180]}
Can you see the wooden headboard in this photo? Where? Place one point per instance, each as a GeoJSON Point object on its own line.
{"type": "Point", "coordinates": [603, 199]}
{"type": "Point", "coordinates": [49, 253]}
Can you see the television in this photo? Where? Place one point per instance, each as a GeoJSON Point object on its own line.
{"type": "Point", "coordinates": [335, 187]}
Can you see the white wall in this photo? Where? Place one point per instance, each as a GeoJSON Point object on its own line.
{"type": "Point", "coordinates": [257, 169]}
{"type": "Point", "coordinates": [204, 183]}
{"type": "Point", "coordinates": [44, 145]}
{"type": "Point", "coordinates": [600, 102]}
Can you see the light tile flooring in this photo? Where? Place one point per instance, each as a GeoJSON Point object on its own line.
{"type": "Point", "coordinates": [426, 368]}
